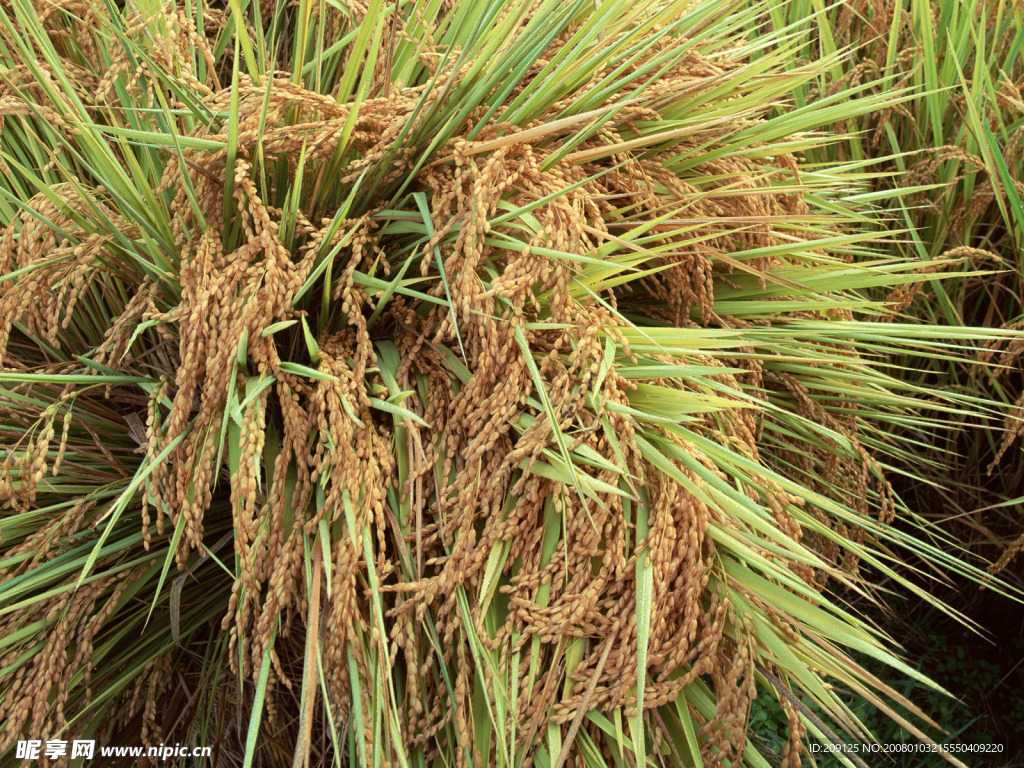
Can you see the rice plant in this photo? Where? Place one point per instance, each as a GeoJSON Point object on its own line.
{"type": "Point", "coordinates": [429, 383]}
{"type": "Point", "coordinates": [950, 169]}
